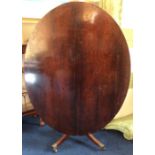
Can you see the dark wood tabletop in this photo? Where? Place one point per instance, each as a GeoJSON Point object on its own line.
{"type": "Point", "coordinates": [77, 68]}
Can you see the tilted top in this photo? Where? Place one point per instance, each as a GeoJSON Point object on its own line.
{"type": "Point", "coordinates": [77, 68]}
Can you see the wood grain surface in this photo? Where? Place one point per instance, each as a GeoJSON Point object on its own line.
{"type": "Point", "coordinates": [77, 68]}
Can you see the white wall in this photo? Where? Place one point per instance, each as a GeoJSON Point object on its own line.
{"type": "Point", "coordinates": [38, 8]}
{"type": "Point", "coordinates": [128, 21]}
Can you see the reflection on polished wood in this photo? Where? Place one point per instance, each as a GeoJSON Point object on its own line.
{"type": "Point", "coordinates": [77, 68]}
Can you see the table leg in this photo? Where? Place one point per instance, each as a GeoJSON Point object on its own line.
{"type": "Point", "coordinates": [42, 123]}
{"type": "Point", "coordinates": [95, 140]}
{"type": "Point", "coordinates": [59, 141]}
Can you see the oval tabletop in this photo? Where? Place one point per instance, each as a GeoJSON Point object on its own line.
{"type": "Point", "coordinates": [77, 68]}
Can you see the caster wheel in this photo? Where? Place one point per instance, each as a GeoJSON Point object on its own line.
{"type": "Point", "coordinates": [55, 149]}
{"type": "Point", "coordinates": [102, 147]}
{"type": "Point", "coordinates": [42, 124]}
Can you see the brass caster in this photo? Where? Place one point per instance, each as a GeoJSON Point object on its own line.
{"type": "Point", "coordinates": [102, 148]}
{"type": "Point", "coordinates": [58, 142]}
{"type": "Point", "coordinates": [42, 123]}
{"type": "Point", "coordinates": [55, 149]}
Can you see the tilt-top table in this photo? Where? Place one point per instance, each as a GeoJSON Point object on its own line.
{"type": "Point", "coordinates": [77, 69]}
